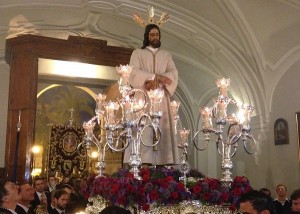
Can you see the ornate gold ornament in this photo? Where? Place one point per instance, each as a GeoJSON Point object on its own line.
{"type": "Point", "coordinates": [163, 18]}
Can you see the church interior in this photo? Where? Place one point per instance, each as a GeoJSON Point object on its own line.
{"type": "Point", "coordinates": [255, 43]}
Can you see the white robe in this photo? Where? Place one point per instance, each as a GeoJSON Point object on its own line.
{"type": "Point", "coordinates": [145, 64]}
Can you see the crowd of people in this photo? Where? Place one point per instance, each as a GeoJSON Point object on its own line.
{"type": "Point", "coordinates": [262, 202]}
{"type": "Point", "coordinates": [51, 197]}
{"type": "Point", "coordinates": [42, 197]}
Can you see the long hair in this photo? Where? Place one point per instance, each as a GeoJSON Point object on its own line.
{"type": "Point", "coordinates": [148, 28]}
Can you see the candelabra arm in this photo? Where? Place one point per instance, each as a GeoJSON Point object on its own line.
{"type": "Point", "coordinates": [221, 145]}
{"type": "Point", "coordinates": [122, 141]}
{"type": "Point", "coordinates": [252, 139]}
{"type": "Point", "coordinates": [195, 139]}
{"type": "Point", "coordinates": [234, 149]}
{"type": "Point", "coordinates": [234, 134]}
{"type": "Point", "coordinates": [218, 143]}
{"type": "Point", "coordinates": [142, 120]}
{"type": "Point", "coordinates": [81, 144]}
{"type": "Point", "coordinates": [156, 132]}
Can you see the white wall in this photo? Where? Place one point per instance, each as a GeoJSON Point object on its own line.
{"type": "Point", "coordinates": [284, 159]}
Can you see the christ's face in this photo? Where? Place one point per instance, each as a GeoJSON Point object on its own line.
{"type": "Point", "coordinates": [154, 38]}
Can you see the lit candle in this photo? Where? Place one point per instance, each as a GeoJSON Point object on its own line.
{"type": "Point", "coordinates": [88, 129]}
{"type": "Point", "coordinates": [174, 107]}
{"type": "Point", "coordinates": [245, 114]}
{"type": "Point", "coordinates": [206, 115]}
{"type": "Point", "coordinates": [100, 98]}
{"type": "Point", "coordinates": [174, 111]}
{"type": "Point", "coordinates": [138, 107]}
{"type": "Point", "coordinates": [124, 71]}
{"type": "Point", "coordinates": [156, 98]}
{"type": "Point", "coordinates": [233, 119]}
{"type": "Point", "coordinates": [221, 108]}
{"type": "Point", "coordinates": [110, 111]}
{"type": "Point", "coordinates": [223, 85]}
{"type": "Point", "coordinates": [127, 108]}
{"type": "Point", "coordinates": [184, 134]}
{"type": "Point", "coordinates": [241, 115]}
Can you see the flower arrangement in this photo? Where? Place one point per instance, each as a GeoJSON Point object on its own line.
{"type": "Point", "coordinates": [162, 187]}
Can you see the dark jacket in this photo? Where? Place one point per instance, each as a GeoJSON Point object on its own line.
{"type": "Point", "coordinates": [52, 210]}
{"type": "Point", "coordinates": [4, 211]}
{"type": "Point", "coordinates": [20, 210]}
{"type": "Point", "coordinates": [36, 200]}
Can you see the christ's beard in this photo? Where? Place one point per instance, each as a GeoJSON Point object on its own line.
{"type": "Point", "coordinates": [155, 43]}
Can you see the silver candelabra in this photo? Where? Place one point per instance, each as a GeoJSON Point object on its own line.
{"type": "Point", "coordinates": [128, 129]}
{"type": "Point", "coordinates": [237, 128]}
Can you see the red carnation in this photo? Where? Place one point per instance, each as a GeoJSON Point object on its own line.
{"type": "Point", "coordinates": [129, 175]}
{"type": "Point", "coordinates": [225, 196]}
{"type": "Point", "coordinates": [248, 188]}
{"type": "Point", "coordinates": [237, 191]}
{"type": "Point", "coordinates": [154, 195]}
{"type": "Point", "coordinates": [130, 188]}
{"type": "Point", "coordinates": [164, 183]}
{"type": "Point", "coordinates": [180, 186]}
{"type": "Point", "coordinates": [115, 188]}
{"type": "Point", "coordinates": [169, 178]}
{"type": "Point", "coordinates": [207, 196]}
{"type": "Point", "coordinates": [145, 207]}
{"type": "Point", "coordinates": [232, 207]}
{"type": "Point", "coordinates": [239, 179]}
{"type": "Point", "coordinates": [213, 184]}
{"type": "Point", "coordinates": [196, 189]}
{"type": "Point", "coordinates": [146, 177]}
{"type": "Point", "coordinates": [174, 195]}
{"type": "Point", "coordinates": [121, 200]}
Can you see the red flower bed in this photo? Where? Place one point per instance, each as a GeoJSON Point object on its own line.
{"type": "Point", "coordinates": [162, 187]}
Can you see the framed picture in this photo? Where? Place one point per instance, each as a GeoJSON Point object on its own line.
{"type": "Point", "coordinates": [281, 132]}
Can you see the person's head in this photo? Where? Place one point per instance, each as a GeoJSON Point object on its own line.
{"type": "Point", "coordinates": [295, 199]}
{"type": "Point", "coordinates": [68, 188]}
{"type": "Point", "coordinates": [65, 180]}
{"type": "Point", "coordinates": [151, 36]}
{"type": "Point", "coordinates": [73, 180]}
{"type": "Point", "coordinates": [114, 210]}
{"type": "Point", "coordinates": [52, 181]}
{"type": "Point", "coordinates": [27, 194]}
{"type": "Point", "coordinates": [9, 194]}
{"type": "Point", "coordinates": [266, 191]}
{"type": "Point", "coordinates": [255, 202]}
{"type": "Point", "coordinates": [281, 191]}
{"type": "Point", "coordinates": [60, 199]}
{"type": "Point", "coordinates": [39, 185]}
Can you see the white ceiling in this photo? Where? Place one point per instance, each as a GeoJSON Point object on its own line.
{"type": "Point", "coordinates": [254, 42]}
